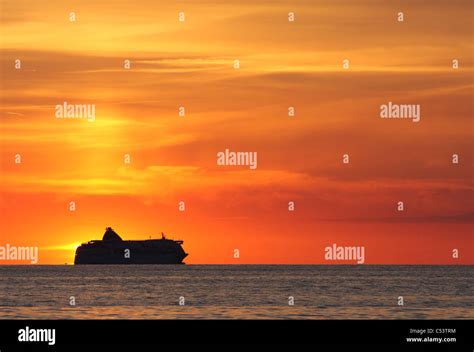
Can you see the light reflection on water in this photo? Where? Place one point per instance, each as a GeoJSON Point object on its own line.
{"type": "Point", "coordinates": [236, 292]}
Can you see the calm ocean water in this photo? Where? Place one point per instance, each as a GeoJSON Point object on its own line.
{"type": "Point", "coordinates": [236, 291]}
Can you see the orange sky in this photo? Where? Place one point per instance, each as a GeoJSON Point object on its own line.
{"type": "Point", "coordinates": [173, 158]}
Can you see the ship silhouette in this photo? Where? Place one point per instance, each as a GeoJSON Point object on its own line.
{"type": "Point", "coordinates": [113, 250]}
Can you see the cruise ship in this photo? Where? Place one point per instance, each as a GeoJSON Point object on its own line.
{"type": "Point", "coordinates": [113, 250]}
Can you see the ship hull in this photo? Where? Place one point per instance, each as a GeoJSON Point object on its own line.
{"type": "Point", "coordinates": [140, 259]}
{"type": "Point", "coordinates": [130, 252]}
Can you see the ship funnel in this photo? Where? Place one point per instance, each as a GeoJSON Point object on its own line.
{"type": "Point", "coordinates": [111, 235]}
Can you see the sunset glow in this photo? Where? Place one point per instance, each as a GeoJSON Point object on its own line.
{"type": "Point", "coordinates": [283, 64]}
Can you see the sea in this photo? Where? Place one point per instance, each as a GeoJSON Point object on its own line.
{"type": "Point", "coordinates": [236, 292]}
